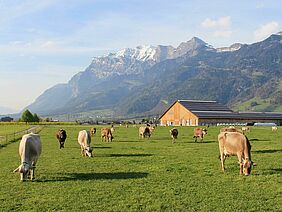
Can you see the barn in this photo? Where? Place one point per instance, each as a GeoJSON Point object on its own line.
{"type": "Point", "coordinates": [196, 112]}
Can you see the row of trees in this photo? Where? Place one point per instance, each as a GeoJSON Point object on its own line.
{"type": "Point", "coordinates": [27, 116]}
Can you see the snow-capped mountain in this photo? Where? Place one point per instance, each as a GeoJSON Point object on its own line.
{"type": "Point", "coordinates": [232, 48]}
{"type": "Point", "coordinates": [135, 80]}
{"type": "Point", "coordinates": [136, 60]}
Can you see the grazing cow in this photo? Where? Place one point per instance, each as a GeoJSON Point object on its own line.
{"type": "Point", "coordinates": [230, 130]}
{"type": "Point", "coordinates": [93, 131]}
{"type": "Point", "coordinates": [84, 140]}
{"type": "Point", "coordinates": [274, 128]}
{"type": "Point", "coordinates": [61, 136]}
{"type": "Point", "coordinates": [173, 134]}
{"type": "Point", "coordinates": [106, 134]}
{"type": "Point", "coordinates": [245, 129]}
{"type": "Point", "coordinates": [29, 150]}
{"type": "Point", "coordinates": [235, 143]}
{"type": "Point", "coordinates": [199, 133]}
{"type": "Point", "coordinates": [144, 132]}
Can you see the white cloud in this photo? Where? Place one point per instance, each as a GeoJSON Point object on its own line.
{"type": "Point", "coordinates": [220, 23]}
{"type": "Point", "coordinates": [220, 27]}
{"type": "Point", "coordinates": [266, 30]}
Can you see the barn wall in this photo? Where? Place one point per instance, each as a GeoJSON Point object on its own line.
{"type": "Point", "coordinates": [178, 115]}
{"type": "Point", "coordinates": [215, 121]}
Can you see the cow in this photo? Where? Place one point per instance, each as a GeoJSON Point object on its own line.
{"type": "Point", "coordinates": [84, 140]}
{"type": "Point", "coordinates": [173, 134]}
{"type": "Point", "coordinates": [274, 128]}
{"type": "Point", "coordinates": [144, 132]}
{"type": "Point", "coordinates": [29, 150]}
{"type": "Point", "coordinates": [245, 129]}
{"type": "Point", "coordinates": [61, 136]}
{"type": "Point", "coordinates": [225, 129]}
{"type": "Point", "coordinates": [235, 143]}
{"type": "Point", "coordinates": [93, 131]}
{"type": "Point", "coordinates": [106, 134]}
{"type": "Point", "coordinates": [199, 133]}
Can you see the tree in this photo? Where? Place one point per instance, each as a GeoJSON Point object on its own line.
{"type": "Point", "coordinates": [27, 116]}
{"type": "Point", "coordinates": [36, 118]}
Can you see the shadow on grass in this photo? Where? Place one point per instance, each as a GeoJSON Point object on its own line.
{"type": "Point", "coordinates": [127, 141]}
{"type": "Point", "coordinates": [102, 147]}
{"type": "Point", "coordinates": [97, 176]}
{"type": "Point", "coordinates": [200, 142]}
{"type": "Point", "coordinates": [124, 155]}
{"type": "Point", "coordinates": [274, 171]}
{"type": "Point", "coordinates": [267, 151]}
{"type": "Point", "coordinates": [255, 139]}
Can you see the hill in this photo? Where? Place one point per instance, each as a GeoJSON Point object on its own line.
{"type": "Point", "coordinates": [146, 79]}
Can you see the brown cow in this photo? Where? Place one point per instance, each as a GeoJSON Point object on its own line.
{"type": "Point", "coordinates": [106, 134]}
{"type": "Point", "coordinates": [93, 131]}
{"type": "Point", "coordinates": [199, 133]}
{"type": "Point", "coordinates": [173, 134]}
{"type": "Point", "coordinates": [61, 136]}
{"type": "Point", "coordinates": [235, 143]}
{"type": "Point", "coordinates": [84, 140]}
{"type": "Point", "coordinates": [144, 132]}
{"type": "Point", "coordinates": [29, 151]}
{"type": "Point", "coordinates": [246, 129]}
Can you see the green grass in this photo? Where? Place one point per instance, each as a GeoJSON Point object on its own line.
{"type": "Point", "coordinates": [263, 105]}
{"type": "Point", "coordinates": [7, 129]}
{"type": "Point", "coordinates": [153, 174]}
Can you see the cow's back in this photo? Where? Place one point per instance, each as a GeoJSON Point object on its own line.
{"type": "Point", "coordinates": [233, 142]}
{"type": "Point", "coordinates": [30, 145]}
{"type": "Point", "coordinates": [84, 138]}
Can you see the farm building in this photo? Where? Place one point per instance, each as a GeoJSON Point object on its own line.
{"type": "Point", "coordinates": [195, 112]}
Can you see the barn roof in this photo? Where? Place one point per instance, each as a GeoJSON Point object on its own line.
{"type": "Point", "coordinates": [195, 105]}
{"type": "Point", "coordinates": [213, 109]}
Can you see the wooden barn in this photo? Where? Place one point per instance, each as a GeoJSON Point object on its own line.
{"type": "Point", "coordinates": [195, 112]}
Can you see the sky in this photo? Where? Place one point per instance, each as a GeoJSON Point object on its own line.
{"type": "Point", "coordinates": [46, 42]}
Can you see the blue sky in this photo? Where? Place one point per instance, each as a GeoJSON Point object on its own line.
{"type": "Point", "coordinates": [46, 42]}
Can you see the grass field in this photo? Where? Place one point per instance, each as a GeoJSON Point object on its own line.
{"type": "Point", "coordinates": [153, 174]}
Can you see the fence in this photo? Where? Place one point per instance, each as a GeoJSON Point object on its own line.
{"type": "Point", "coordinates": [12, 137]}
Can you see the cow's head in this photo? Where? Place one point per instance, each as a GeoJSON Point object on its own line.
{"type": "Point", "coordinates": [93, 131]}
{"type": "Point", "coordinates": [205, 131]}
{"type": "Point", "coordinates": [247, 165]}
{"type": "Point", "coordinates": [88, 152]}
{"type": "Point", "coordinates": [23, 169]}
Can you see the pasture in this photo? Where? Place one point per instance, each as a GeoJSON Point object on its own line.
{"type": "Point", "coordinates": [132, 174]}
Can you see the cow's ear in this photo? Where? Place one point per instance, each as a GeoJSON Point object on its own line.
{"type": "Point", "coordinates": [254, 164]}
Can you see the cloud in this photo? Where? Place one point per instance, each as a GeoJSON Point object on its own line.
{"type": "Point", "coordinates": [266, 30]}
{"type": "Point", "coordinates": [220, 27]}
{"type": "Point", "coordinates": [221, 23]}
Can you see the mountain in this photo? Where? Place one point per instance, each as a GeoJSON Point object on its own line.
{"type": "Point", "coordinates": [145, 79]}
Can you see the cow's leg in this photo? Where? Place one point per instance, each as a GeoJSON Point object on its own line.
{"type": "Point", "coordinates": [32, 172]}
{"type": "Point", "coordinates": [82, 151]}
{"type": "Point", "coordinates": [241, 163]}
{"type": "Point", "coordinates": [195, 138]}
{"type": "Point", "coordinates": [222, 159]}
{"type": "Point", "coordinates": [22, 177]}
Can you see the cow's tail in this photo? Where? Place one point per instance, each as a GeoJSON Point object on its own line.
{"type": "Point", "coordinates": [17, 169]}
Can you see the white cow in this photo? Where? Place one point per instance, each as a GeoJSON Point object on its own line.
{"type": "Point", "coordinates": [29, 150]}
{"type": "Point", "coordinates": [84, 140]}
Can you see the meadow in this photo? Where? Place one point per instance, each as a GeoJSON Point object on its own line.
{"type": "Point", "coordinates": [132, 174]}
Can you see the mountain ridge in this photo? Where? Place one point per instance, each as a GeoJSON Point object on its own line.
{"type": "Point", "coordinates": [134, 81]}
